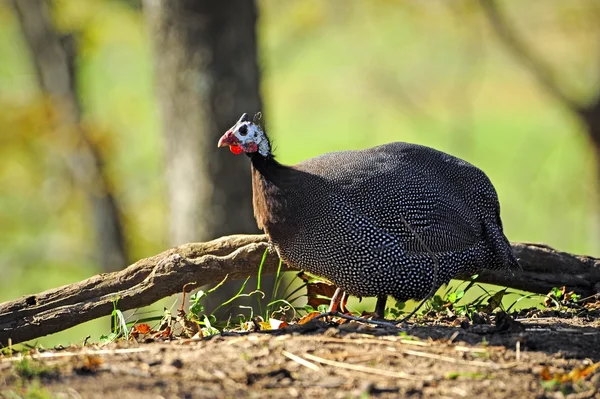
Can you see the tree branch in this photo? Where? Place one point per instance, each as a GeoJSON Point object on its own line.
{"type": "Point", "coordinates": [237, 256]}
{"type": "Point", "coordinates": [54, 57]}
{"type": "Point", "coordinates": [543, 268]}
{"type": "Point", "coordinates": [540, 70]}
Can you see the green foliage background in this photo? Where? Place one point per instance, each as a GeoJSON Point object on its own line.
{"type": "Point", "coordinates": [336, 75]}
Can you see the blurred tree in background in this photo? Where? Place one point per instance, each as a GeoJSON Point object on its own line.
{"type": "Point", "coordinates": [583, 102]}
{"type": "Point", "coordinates": [207, 75]}
{"type": "Point", "coordinates": [476, 79]}
{"type": "Point", "coordinates": [54, 57]}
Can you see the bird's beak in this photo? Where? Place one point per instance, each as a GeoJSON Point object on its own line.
{"type": "Point", "coordinates": [228, 139]}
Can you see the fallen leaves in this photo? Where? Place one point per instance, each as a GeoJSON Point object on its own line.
{"type": "Point", "coordinates": [575, 375]}
{"type": "Point", "coordinates": [308, 317]}
{"type": "Point", "coordinates": [258, 324]}
{"type": "Point", "coordinates": [91, 364]}
{"type": "Point", "coordinates": [578, 380]}
{"type": "Point", "coordinates": [278, 324]}
{"type": "Point", "coordinates": [143, 332]}
{"type": "Point", "coordinates": [141, 329]}
{"type": "Point", "coordinates": [319, 291]}
{"type": "Point", "coordinates": [560, 296]}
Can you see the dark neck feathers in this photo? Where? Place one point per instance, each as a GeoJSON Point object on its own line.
{"type": "Point", "coordinates": [269, 195]}
{"type": "Point", "coordinates": [268, 167]}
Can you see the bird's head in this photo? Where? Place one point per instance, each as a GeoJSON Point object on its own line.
{"type": "Point", "coordinates": [246, 136]}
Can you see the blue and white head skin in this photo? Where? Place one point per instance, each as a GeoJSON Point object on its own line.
{"type": "Point", "coordinates": [246, 136]}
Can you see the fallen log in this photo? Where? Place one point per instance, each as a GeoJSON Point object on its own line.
{"type": "Point", "coordinates": [238, 256]}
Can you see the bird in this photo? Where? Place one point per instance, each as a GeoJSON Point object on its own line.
{"type": "Point", "coordinates": [399, 219]}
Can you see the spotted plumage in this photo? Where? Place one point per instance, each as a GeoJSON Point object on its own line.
{"type": "Point", "coordinates": [368, 219]}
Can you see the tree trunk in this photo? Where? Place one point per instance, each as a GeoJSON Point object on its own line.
{"type": "Point", "coordinates": [237, 257]}
{"type": "Point", "coordinates": [590, 115]}
{"type": "Point", "coordinates": [54, 58]}
{"type": "Point", "coordinates": [207, 75]}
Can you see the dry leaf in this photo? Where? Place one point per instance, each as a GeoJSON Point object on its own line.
{"type": "Point", "coordinates": [320, 292]}
{"type": "Point", "coordinates": [545, 374]}
{"type": "Point", "coordinates": [308, 317]}
{"type": "Point", "coordinates": [582, 372]}
{"type": "Point", "coordinates": [278, 324]}
{"type": "Point", "coordinates": [574, 375]}
{"type": "Point", "coordinates": [265, 325]}
{"type": "Point", "coordinates": [495, 301]}
{"type": "Point", "coordinates": [166, 333]}
{"type": "Point", "coordinates": [141, 329]}
{"type": "Point", "coordinates": [189, 327]}
{"type": "Point", "coordinates": [92, 363]}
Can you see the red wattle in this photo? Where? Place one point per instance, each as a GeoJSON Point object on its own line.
{"type": "Point", "coordinates": [236, 149]}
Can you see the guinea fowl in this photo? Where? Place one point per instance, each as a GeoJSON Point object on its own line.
{"type": "Point", "coordinates": [399, 219]}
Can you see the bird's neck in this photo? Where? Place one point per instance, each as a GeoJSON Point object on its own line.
{"type": "Point", "coordinates": [269, 192]}
{"type": "Point", "coordinates": [268, 167]}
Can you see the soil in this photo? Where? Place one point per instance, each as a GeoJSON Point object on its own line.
{"type": "Point", "coordinates": [536, 355]}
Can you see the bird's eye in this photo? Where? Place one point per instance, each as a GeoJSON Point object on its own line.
{"type": "Point", "coordinates": [243, 130]}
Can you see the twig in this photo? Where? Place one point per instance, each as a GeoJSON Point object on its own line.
{"type": "Point", "coordinates": [384, 340]}
{"type": "Point", "coordinates": [453, 360]}
{"type": "Point", "coordinates": [420, 305]}
{"type": "Point", "coordinates": [55, 355]}
{"type": "Point", "coordinates": [365, 369]}
{"type": "Point", "coordinates": [355, 318]}
{"type": "Point", "coordinates": [589, 298]}
{"type": "Point", "coordinates": [301, 361]}
{"type": "Point", "coordinates": [453, 337]}
{"type": "Point", "coordinates": [540, 70]}
{"type": "Point", "coordinates": [467, 349]}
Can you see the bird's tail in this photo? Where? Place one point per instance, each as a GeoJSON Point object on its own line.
{"type": "Point", "coordinates": [504, 256]}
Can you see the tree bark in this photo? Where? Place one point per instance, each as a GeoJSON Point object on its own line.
{"type": "Point", "coordinates": [237, 257]}
{"type": "Point", "coordinates": [207, 75]}
{"type": "Point", "coordinates": [54, 59]}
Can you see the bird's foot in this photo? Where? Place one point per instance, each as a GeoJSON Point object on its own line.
{"type": "Point", "coordinates": [338, 300]}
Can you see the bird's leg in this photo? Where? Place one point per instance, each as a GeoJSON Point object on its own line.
{"type": "Point", "coordinates": [343, 308]}
{"type": "Point", "coordinates": [380, 306]}
{"type": "Point", "coordinates": [335, 300]}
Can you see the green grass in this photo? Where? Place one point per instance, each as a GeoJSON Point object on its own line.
{"type": "Point", "coordinates": [27, 390]}
{"type": "Point", "coordinates": [29, 369]}
{"type": "Point", "coordinates": [28, 380]}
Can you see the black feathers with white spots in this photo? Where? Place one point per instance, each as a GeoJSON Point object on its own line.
{"type": "Point", "coordinates": [344, 216]}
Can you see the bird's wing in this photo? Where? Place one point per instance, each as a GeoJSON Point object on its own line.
{"type": "Point", "coordinates": [440, 220]}
{"type": "Point", "coordinates": [386, 188]}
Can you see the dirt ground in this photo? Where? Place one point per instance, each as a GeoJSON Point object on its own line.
{"type": "Point", "coordinates": [546, 354]}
